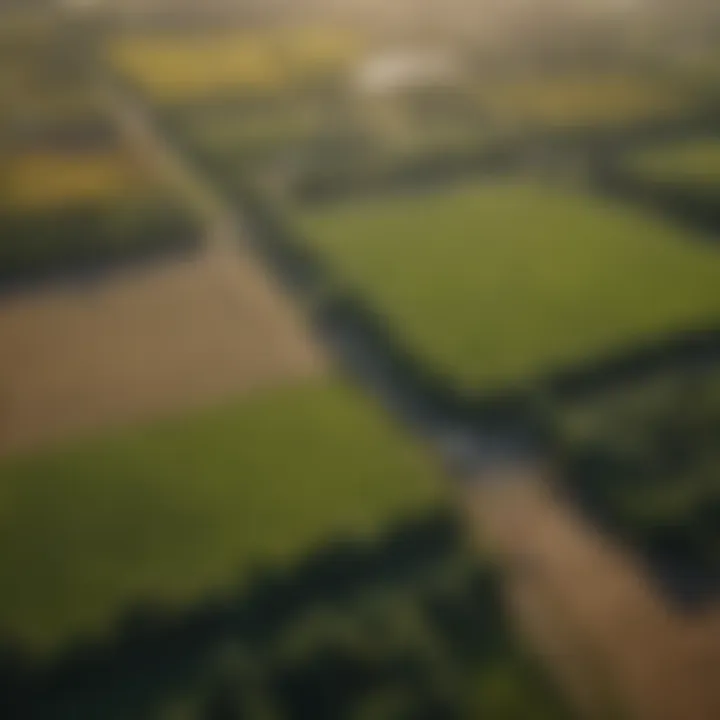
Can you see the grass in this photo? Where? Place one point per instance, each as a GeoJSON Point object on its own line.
{"type": "Point", "coordinates": [577, 100]}
{"type": "Point", "coordinates": [183, 68]}
{"type": "Point", "coordinates": [242, 136]}
{"type": "Point", "coordinates": [498, 285]}
{"type": "Point", "coordinates": [693, 163]}
{"type": "Point", "coordinates": [51, 179]}
{"type": "Point", "coordinates": [167, 514]}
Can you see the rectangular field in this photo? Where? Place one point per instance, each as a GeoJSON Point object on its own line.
{"type": "Point", "coordinates": [165, 515]}
{"type": "Point", "coordinates": [582, 100]}
{"type": "Point", "coordinates": [692, 164]}
{"type": "Point", "coordinates": [174, 68]}
{"type": "Point", "coordinates": [37, 181]}
{"type": "Point", "coordinates": [499, 285]}
{"type": "Point", "coordinates": [142, 344]}
{"type": "Point", "coordinates": [75, 195]}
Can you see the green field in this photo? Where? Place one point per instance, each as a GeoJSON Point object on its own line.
{"type": "Point", "coordinates": [236, 140]}
{"type": "Point", "coordinates": [498, 285]}
{"type": "Point", "coordinates": [165, 515]}
{"type": "Point", "coordinates": [292, 554]}
{"type": "Point", "coordinates": [582, 99]}
{"type": "Point", "coordinates": [693, 164]}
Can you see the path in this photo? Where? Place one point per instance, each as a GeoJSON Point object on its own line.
{"type": "Point", "coordinates": [605, 632]}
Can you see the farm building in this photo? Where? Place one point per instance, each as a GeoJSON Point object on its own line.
{"type": "Point", "coordinates": [398, 70]}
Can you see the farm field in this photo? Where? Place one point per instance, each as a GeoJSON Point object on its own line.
{"type": "Point", "coordinates": [497, 286]}
{"type": "Point", "coordinates": [180, 68]}
{"type": "Point", "coordinates": [37, 181]}
{"type": "Point", "coordinates": [201, 518]}
{"type": "Point", "coordinates": [333, 561]}
{"type": "Point", "coordinates": [692, 164]}
{"type": "Point", "coordinates": [585, 99]}
{"type": "Point", "coordinates": [236, 143]}
{"type": "Point", "coordinates": [74, 195]}
{"type": "Point", "coordinates": [194, 506]}
{"type": "Point", "coordinates": [144, 343]}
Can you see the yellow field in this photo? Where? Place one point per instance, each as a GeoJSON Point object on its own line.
{"type": "Point", "coordinates": [50, 179]}
{"type": "Point", "coordinates": [580, 100]}
{"type": "Point", "coordinates": [189, 67]}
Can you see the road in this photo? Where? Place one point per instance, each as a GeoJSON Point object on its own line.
{"type": "Point", "coordinates": [590, 610]}
{"type": "Point", "coordinates": [238, 270]}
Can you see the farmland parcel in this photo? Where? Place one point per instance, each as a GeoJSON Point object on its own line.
{"type": "Point", "coordinates": [498, 285]}
{"type": "Point", "coordinates": [169, 513]}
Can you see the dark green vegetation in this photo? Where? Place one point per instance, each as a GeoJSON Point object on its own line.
{"type": "Point", "coordinates": [167, 514]}
{"type": "Point", "coordinates": [71, 241]}
{"type": "Point", "coordinates": [693, 162]}
{"type": "Point", "coordinates": [645, 460]}
{"type": "Point", "coordinates": [291, 557]}
{"type": "Point", "coordinates": [680, 179]}
{"type": "Point", "coordinates": [404, 625]}
{"type": "Point", "coordinates": [503, 285]}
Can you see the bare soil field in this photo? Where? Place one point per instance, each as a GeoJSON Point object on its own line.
{"type": "Point", "coordinates": [141, 344]}
{"type": "Point", "coordinates": [610, 639]}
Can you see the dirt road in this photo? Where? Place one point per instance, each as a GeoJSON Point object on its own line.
{"type": "Point", "coordinates": [615, 647]}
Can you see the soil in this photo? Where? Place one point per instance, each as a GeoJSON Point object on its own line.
{"type": "Point", "coordinates": [141, 344]}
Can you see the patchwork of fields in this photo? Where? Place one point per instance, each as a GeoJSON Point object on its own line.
{"type": "Point", "coordinates": [202, 521]}
{"type": "Point", "coordinates": [73, 193]}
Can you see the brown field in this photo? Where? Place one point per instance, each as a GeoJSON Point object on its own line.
{"type": "Point", "coordinates": [141, 344]}
{"type": "Point", "coordinates": [607, 635]}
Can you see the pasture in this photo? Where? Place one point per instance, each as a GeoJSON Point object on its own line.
{"type": "Point", "coordinates": [240, 140]}
{"type": "Point", "coordinates": [497, 285]}
{"type": "Point", "coordinates": [577, 100]}
{"type": "Point", "coordinates": [169, 514]}
{"type": "Point", "coordinates": [692, 164]}
{"type": "Point", "coordinates": [191, 67]}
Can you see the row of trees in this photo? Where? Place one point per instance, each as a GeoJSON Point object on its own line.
{"type": "Point", "coordinates": [404, 627]}
{"type": "Point", "coordinates": [87, 239]}
{"type": "Point", "coordinates": [648, 466]}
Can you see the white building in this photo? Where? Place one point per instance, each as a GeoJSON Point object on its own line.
{"type": "Point", "coordinates": [406, 69]}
